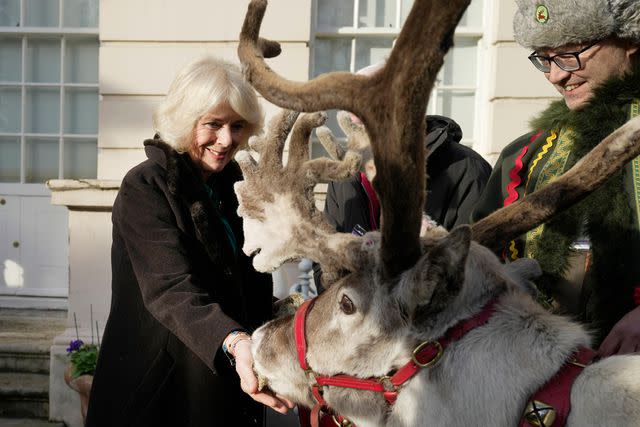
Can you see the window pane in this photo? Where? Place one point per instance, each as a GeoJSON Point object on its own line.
{"type": "Point", "coordinates": [460, 107]}
{"type": "Point", "coordinates": [41, 13]}
{"type": "Point", "coordinates": [10, 62]}
{"type": "Point", "coordinates": [43, 61]}
{"type": "Point", "coordinates": [81, 111]}
{"type": "Point", "coordinates": [377, 13]}
{"type": "Point", "coordinates": [42, 110]}
{"type": "Point", "coordinates": [9, 159]}
{"type": "Point", "coordinates": [460, 64]}
{"type": "Point", "coordinates": [332, 55]}
{"type": "Point", "coordinates": [9, 13]}
{"type": "Point", "coordinates": [41, 159]}
{"type": "Point", "coordinates": [80, 158]}
{"type": "Point", "coordinates": [10, 109]}
{"type": "Point", "coordinates": [372, 51]}
{"type": "Point", "coordinates": [80, 13]}
{"type": "Point", "coordinates": [81, 61]}
{"type": "Point", "coordinates": [473, 15]}
{"type": "Point", "coordinates": [335, 13]}
{"type": "Point", "coordinates": [406, 8]}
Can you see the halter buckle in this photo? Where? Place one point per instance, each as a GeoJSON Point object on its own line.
{"type": "Point", "coordinates": [311, 376]}
{"type": "Point", "coordinates": [344, 423]}
{"type": "Point", "coordinates": [387, 384]}
{"type": "Point", "coordinates": [432, 361]}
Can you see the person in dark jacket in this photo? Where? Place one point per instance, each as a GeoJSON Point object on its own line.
{"type": "Point", "coordinates": [184, 296]}
{"type": "Point", "coordinates": [589, 253]}
{"type": "Point", "coordinates": [456, 177]}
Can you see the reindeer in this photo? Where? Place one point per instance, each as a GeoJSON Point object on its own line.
{"type": "Point", "coordinates": [413, 331]}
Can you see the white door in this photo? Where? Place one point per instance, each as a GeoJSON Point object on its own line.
{"type": "Point", "coordinates": [34, 249]}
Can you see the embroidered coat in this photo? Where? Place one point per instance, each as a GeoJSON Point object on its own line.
{"type": "Point", "coordinates": [178, 289]}
{"type": "Point", "coordinates": [608, 219]}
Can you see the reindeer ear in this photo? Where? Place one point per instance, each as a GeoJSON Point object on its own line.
{"type": "Point", "coordinates": [441, 271]}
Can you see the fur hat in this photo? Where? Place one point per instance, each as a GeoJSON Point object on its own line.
{"type": "Point", "coordinates": [555, 23]}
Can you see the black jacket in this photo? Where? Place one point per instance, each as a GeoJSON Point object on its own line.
{"type": "Point", "coordinates": [178, 289]}
{"type": "Point", "coordinates": [456, 177]}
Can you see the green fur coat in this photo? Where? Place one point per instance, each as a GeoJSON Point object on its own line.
{"type": "Point", "coordinates": [608, 218]}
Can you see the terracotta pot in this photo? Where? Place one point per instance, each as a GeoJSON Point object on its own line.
{"type": "Point", "coordinates": [82, 385]}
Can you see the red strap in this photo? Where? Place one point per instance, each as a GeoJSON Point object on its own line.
{"type": "Point", "coordinates": [299, 330]}
{"type": "Point", "coordinates": [557, 391]}
{"type": "Point", "coordinates": [374, 203]}
{"type": "Point", "coordinates": [348, 381]}
{"type": "Point", "coordinates": [431, 350]}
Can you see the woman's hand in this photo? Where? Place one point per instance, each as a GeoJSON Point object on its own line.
{"type": "Point", "coordinates": [624, 338]}
{"type": "Point", "coordinates": [249, 381]}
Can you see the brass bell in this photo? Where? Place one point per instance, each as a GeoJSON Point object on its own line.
{"type": "Point", "coordinates": [539, 414]}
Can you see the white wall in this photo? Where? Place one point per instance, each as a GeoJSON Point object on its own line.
{"type": "Point", "coordinates": [516, 91]}
{"type": "Point", "coordinates": [145, 42]}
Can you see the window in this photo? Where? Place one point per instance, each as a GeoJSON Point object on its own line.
{"type": "Point", "coordinates": [48, 90]}
{"type": "Point", "coordinates": [351, 34]}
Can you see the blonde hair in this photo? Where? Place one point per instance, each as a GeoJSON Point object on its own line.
{"type": "Point", "coordinates": [198, 88]}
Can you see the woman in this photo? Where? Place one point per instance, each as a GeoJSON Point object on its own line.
{"type": "Point", "coordinates": [184, 296]}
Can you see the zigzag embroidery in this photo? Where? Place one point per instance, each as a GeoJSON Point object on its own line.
{"type": "Point", "coordinates": [513, 250]}
{"type": "Point", "coordinates": [545, 150]}
{"type": "Point", "coordinates": [515, 178]}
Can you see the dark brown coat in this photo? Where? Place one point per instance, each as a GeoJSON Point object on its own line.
{"type": "Point", "coordinates": [177, 291]}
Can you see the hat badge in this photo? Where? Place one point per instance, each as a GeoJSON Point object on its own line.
{"type": "Point", "coordinates": [542, 14]}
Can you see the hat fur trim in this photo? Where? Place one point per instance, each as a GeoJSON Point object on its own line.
{"type": "Point", "coordinates": [575, 22]}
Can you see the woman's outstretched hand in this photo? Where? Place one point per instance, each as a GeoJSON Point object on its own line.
{"type": "Point", "coordinates": [249, 381]}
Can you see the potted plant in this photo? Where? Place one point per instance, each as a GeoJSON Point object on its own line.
{"type": "Point", "coordinates": [79, 372]}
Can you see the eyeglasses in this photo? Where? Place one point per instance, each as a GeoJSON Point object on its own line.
{"type": "Point", "coordinates": [568, 61]}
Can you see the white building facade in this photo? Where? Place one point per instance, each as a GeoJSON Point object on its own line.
{"type": "Point", "coordinates": [79, 80]}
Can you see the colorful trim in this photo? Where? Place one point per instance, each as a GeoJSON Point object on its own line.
{"type": "Point", "coordinates": [515, 178]}
{"type": "Point", "coordinates": [513, 250]}
{"type": "Point", "coordinates": [545, 150]}
{"type": "Point", "coordinates": [635, 164]}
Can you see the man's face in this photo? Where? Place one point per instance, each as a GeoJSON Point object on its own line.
{"type": "Point", "coordinates": [606, 59]}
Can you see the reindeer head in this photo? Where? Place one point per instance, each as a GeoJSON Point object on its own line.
{"type": "Point", "coordinates": [388, 289]}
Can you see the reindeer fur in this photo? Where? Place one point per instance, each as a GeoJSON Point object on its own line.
{"type": "Point", "coordinates": [485, 378]}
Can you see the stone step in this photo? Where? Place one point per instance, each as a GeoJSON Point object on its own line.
{"type": "Point", "coordinates": [24, 359]}
{"type": "Point", "coordinates": [27, 422]}
{"type": "Point", "coordinates": [24, 395]}
{"type": "Point", "coordinates": [26, 337]}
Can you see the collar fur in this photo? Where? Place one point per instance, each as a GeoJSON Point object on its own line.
{"type": "Point", "coordinates": [185, 182]}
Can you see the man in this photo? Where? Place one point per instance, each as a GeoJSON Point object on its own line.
{"type": "Point", "coordinates": [590, 55]}
{"type": "Point", "coordinates": [457, 176]}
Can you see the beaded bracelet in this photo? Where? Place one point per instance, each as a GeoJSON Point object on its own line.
{"type": "Point", "coordinates": [236, 337]}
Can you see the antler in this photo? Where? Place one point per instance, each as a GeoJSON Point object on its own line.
{"type": "Point", "coordinates": [277, 201]}
{"type": "Point", "coordinates": [391, 103]}
{"type": "Point", "coordinates": [607, 158]}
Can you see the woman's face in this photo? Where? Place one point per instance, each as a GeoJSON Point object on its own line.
{"type": "Point", "coordinates": [217, 136]}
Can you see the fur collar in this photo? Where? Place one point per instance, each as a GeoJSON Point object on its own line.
{"type": "Point", "coordinates": [185, 182]}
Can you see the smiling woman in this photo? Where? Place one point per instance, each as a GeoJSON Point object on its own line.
{"type": "Point", "coordinates": [184, 296]}
{"type": "Point", "coordinates": [217, 137]}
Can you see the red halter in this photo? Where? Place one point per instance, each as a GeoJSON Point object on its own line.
{"type": "Point", "coordinates": [425, 355]}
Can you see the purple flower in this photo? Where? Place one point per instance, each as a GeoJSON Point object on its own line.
{"type": "Point", "coordinates": [74, 345]}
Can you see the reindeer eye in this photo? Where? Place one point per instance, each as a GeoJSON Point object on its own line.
{"type": "Point", "coordinates": [346, 305]}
